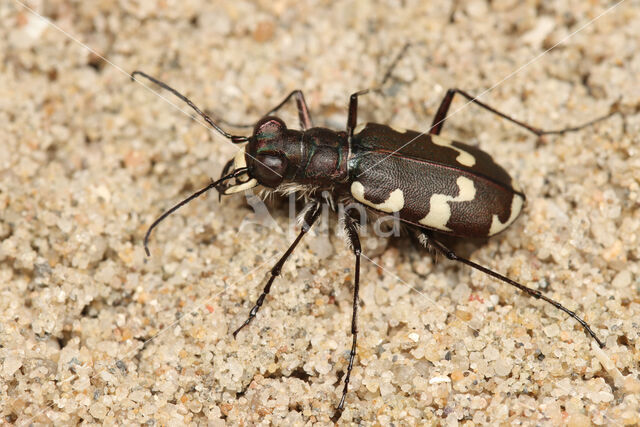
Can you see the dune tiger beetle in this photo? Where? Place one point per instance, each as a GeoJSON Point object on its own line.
{"type": "Point", "coordinates": [435, 186]}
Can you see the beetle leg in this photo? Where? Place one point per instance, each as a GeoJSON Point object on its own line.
{"type": "Point", "coordinates": [354, 241]}
{"type": "Point", "coordinates": [353, 111]}
{"type": "Point", "coordinates": [353, 100]}
{"type": "Point", "coordinates": [441, 116]}
{"type": "Point", "coordinates": [397, 59]}
{"type": "Point", "coordinates": [532, 292]}
{"type": "Point", "coordinates": [303, 109]}
{"type": "Point", "coordinates": [310, 217]}
{"type": "Point", "coordinates": [423, 240]}
{"type": "Point", "coordinates": [303, 112]}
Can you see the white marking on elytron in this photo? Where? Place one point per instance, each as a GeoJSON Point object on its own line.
{"type": "Point", "coordinates": [516, 207]}
{"type": "Point", "coordinates": [394, 203]}
{"type": "Point", "coordinates": [359, 128]}
{"type": "Point", "coordinates": [397, 129]}
{"type": "Point", "coordinates": [463, 158]}
{"type": "Point", "coordinates": [440, 211]}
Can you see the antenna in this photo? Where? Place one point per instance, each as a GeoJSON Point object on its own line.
{"type": "Point", "coordinates": [236, 139]}
{"type": "Point", "coordinates": [213, 184]}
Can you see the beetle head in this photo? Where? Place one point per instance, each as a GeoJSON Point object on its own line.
{"type": "Point", "coordinates": [271, 152]}
{"type": "Point", "coordinates": [271, 157]}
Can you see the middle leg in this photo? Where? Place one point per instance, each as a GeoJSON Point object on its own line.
{"type": "Point", "coordinates": [352, 119]}
{"type": "Point", "coordinates": [351, 230]}
{"type": "Point", "coordinates": [353, 100]}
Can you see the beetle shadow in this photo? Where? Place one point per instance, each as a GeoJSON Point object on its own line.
{"type": "Point", "coordinates": [464, 247]}
{"type": "Point", "coordinates": [280, 214]}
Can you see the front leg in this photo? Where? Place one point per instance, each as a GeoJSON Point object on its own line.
{"type": "Point", "coordinates": [310, 217]}
{"type": "Point", "coordinates": [303, 109]}
{"type": "Point", "coordinates": [301, 104]}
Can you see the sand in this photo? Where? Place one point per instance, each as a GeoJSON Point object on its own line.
{"type": "Point", "coordinates": [93, 331]}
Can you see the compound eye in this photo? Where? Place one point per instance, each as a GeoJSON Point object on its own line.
{"type": "Point", "coordinates": [270, 169]}
{"type": "Point", "coordinates": [269, 127]}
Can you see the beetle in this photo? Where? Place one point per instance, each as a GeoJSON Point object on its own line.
{"type": "Point", "coordinates": [435, 186]}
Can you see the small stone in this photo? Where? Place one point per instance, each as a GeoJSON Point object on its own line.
{"type": "Point", "coordinates": [631, 385]}
{"type": "Point", "coordinates": [264, 31]}
{"type": "Point", "coordinates": [478, 402]}
{"type": "Point", "coordinates": [386, 389]}
{"type": "Point", "coordinates": [491, 353]}
{"type": "Point", "coordinates": [605, 396]}
{"type": "Point", "coordinates": [194, 406]}
{"type": "Point", "coordinates": [457, 375]}
{"type": "Point", "coordinates": [461, 292]}
{"type": "Point", "coordinates": [321, 246]}
{"type": "Point", "coordinates": [552, 330]}
{"type": "Point", "coordinates": [371, 383]}
{"type": "Point", "coordinates": [607, 363]}
{"type": "Point", "coordinates": [439, 380]}
{"type": "Point", "coordinates": [495, 299]}
{"type": "Point", "coordinates": [502, 367]}
{"type": "Point", "coordinates": [137, 395]}
{"type": "Point", "coordinates": [323, 368]}
{"type": "Point", "coordinates": [65, 225]}
{"type": "Point", "coordinates": [420, 383]}
{"type": "Point", "coordinates": [148, 409]}
{"type": "Point", "coordinates": [10, 366]}
{"type": "Point", "coordinates": [536, 36]}
{"type": "Point", "coordinates": [236, 369]}
{"type": "Point", "coordinates": [578, 420]}
{"type": "Point", "coordinates": [98, 410]}
{"type": "Point", "coordinates": [622, 279]}
{"type": "Point", "coordinates": [465, 316]}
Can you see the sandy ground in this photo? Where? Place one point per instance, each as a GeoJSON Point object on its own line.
{"type": "Point", "coordinates": [92, 331]}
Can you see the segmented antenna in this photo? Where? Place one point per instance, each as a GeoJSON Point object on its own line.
{"type": "Point", "coordinates": [214, 184]}
{"type": "Point", "coordinates": [236, 139]}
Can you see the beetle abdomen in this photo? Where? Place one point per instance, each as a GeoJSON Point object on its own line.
{"type": "Point", "coordinates": [432, 182]}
